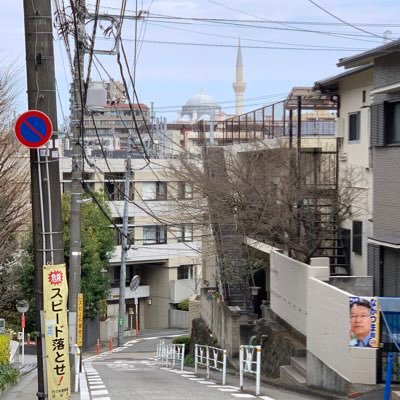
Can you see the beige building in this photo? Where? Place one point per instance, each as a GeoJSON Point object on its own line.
{"type": "Point", "coordinates": [355, 158]}
{"type": "Point", "coordinates": [165, 250]}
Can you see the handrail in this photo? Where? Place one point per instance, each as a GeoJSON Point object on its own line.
{"type": "Point", "coordinates": [170, 352]}
{"type": "Point", "coordinates": [248, 364]}
{"type": "Point", "coordinates": [211, 358]}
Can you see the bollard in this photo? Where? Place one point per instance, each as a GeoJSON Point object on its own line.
{"type": "Point", "coordinates": [98, 347]}
{"type": "Point", "coordinates": [111, 343]}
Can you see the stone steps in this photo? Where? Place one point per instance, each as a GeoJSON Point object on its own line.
{"type": "Point", "coordinates": [294, 374]}
{"type": "Point", "coordinates": [299, 364]}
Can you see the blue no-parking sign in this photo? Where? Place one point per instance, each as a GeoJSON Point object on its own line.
{"type": "Point", "coordinates": [33, 129]}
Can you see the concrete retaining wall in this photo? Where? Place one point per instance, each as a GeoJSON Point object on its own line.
{"type": "Point", "coordinates": [178, 319]}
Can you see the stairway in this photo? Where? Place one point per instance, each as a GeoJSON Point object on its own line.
{"type": "Point", "coordinates": [323, 223]}
{"type": "Point", "coordinates": [295, 374]}
{"type": "Point", "coordinates": [333, 247]}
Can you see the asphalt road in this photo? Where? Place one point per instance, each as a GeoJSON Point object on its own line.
{"type": "Point", "coordinates": [132, 372]}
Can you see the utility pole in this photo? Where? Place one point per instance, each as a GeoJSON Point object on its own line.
{"type": "Point", "coordinates": [124, 245]}
{"type": "Point", "coordinates": [45, 179]}
{"type": "Point", "coordinates": [77, 127]}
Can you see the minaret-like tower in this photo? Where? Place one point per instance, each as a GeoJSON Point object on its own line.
{"type": "Point", "coordinates": [239, 86]}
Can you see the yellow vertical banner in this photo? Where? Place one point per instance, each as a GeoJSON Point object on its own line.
{"type": "Point", "coordinates": [55, 298]}
{"type": "Point", "coordinates": [79, 327]}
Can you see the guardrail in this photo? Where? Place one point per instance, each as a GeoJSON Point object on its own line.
{"type": "Point", "coordinates": [170, 353]}
{"type": "Point", "coordinates": [212, 358]}
{"type": "Point", "coordinates": [250, 361]}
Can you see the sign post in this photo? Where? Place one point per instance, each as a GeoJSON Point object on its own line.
{"type": "Point", "coordinates": [133, 286]}
{"type": "Point", "coordinates": [23, 307]}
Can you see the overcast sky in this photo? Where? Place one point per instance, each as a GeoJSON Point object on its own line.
{"type": "Point", "coordinates": [178, 58]}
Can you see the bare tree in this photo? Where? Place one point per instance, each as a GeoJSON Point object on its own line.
{"type": "Point", "coordinates": [14, 172]}
{"type": "Point", "coordinates": [286, 197]}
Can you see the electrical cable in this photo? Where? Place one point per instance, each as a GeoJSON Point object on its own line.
{"type": "Point", "coordinates": [345, 22]}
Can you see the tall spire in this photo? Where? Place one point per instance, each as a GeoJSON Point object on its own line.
{"type": "Point", "coordinates": [239, 86]}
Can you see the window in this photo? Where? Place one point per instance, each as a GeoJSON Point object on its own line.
{"type": "Point", "coordinates": [357, 237]}
{"type": "Point", "coordinates": [154, 191]}
{"type": "Point", "coordinates": [354, 126]}
{"type": "Point", "coordinates": [154, 234]}
{"type": "Point", "coordinates": [114, 185]}
{"type": "Point", "coordinates": [185, 272]}
{"type": "Point", "coordinates": [392, 113]}
{"type": "Point", "coordinates": [185, 233]}
{"type": "Point", "coordinates": [185, 191]}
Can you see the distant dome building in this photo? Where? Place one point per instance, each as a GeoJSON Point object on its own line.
{"type": "Point", "coordinates": [200, 106]}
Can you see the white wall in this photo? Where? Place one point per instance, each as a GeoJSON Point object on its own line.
{"type": "Point", "coordinates": [355, 156]}
{"type": "Point", "coordinates": [289, 279]}
{"type": "Point", "coordinates": [328, 334]}
{"type": "Point", "coordinates": [320, 311]}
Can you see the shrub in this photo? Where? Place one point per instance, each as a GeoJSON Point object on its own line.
{"type": "Point", "coordinates": [184, 305]}
{"type": "Point", "coordinates": [183, 340]}
{"type": "Point", "coordinates": [189, 359]}
{"type": "Point", "coordinates": [8, 377]}
{"type": "Point", "coordinates": [4, 349]}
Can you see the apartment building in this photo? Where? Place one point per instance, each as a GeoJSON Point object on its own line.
{"type": "Point", "coordinates": [353, 89]}
{"type": "Point", "coordinates": [165, 249]}
{"type": "Point", "coordinates": [384, 242]}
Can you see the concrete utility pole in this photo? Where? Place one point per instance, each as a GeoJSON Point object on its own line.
{"type": "Point", "coordinates": [77, 127]}
{"type": "Point", "coordinates": [124, 246]}
{"type": "Point", "coordinates": [45, 180]}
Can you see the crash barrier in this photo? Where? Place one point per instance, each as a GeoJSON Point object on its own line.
{"type": "Point", "coordinates": [211, 358]}
{"type": "Point", "coordinates": [250, 361]}
{"type": "Point", "coordinates": [169, 354]}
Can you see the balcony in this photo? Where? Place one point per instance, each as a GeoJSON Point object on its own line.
{"type": "Point", "coordinates": [142, 291]}
{"type": "Point", "coordinates": [181, 289]}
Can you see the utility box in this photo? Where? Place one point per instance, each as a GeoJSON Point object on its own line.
{"type": "Point", "coordinates": [2, 325]}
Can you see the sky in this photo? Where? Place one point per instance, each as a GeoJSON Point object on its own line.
{"type": "Point", "coordinates": [185, 46]}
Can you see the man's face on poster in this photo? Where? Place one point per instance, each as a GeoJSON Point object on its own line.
{"type": "Point", "coordinates": [360, 321]}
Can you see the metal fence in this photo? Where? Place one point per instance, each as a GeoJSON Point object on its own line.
{"type": "Point", "coordinates": [250, 362]}
{"type": "Point", "coordinates": [211, 358]}
{"type": "Point", "coordinates": [170, 355]}
{"type": "Point", "coordinates": [274, 121]}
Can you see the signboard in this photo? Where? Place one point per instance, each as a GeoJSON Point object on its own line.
{"type": "Point", "coordinates": [364, 321]}
{"type": "Point", "coordinates": [33, 129]}
{"type": "Point", "coordinates": [55, 296]}
{"type": "Point", "coordinates": [79, 327]}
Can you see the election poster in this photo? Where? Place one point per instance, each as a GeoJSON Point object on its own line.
{"type": "Point", "coordinates": [364, 321]}
{"type": "Point", "coordinates": [55, 297]}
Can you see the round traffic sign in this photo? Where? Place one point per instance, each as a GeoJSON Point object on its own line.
{"type": "Point", "coordinates": [33, 129]}
{"type": "Point", "coordinates": [134, 283]}
{"type": "Point", "coordinates": [22, 306]}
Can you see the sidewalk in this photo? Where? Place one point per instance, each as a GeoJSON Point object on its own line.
{"type": "Point", "coordinates": [27, 386]}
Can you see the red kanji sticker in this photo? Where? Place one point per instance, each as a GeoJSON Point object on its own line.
{"type": "Point", "coordinates": [55, 277]}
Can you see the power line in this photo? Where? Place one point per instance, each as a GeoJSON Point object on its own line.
{"type": "Point", "coordinates": [345, 22]}
{"type": "Point", "coordinates": [253, 40]}
{"type": "Point", "coordinates": [220, 45]}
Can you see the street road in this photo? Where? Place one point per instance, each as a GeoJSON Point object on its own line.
{"type": "Point", "coordinates": [131, 372]}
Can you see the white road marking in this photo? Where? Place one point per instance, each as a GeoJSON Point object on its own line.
{"type": "Point", "coordinates": [243, 395]}
{"type": "Point", "coordinates": [98, 392]}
